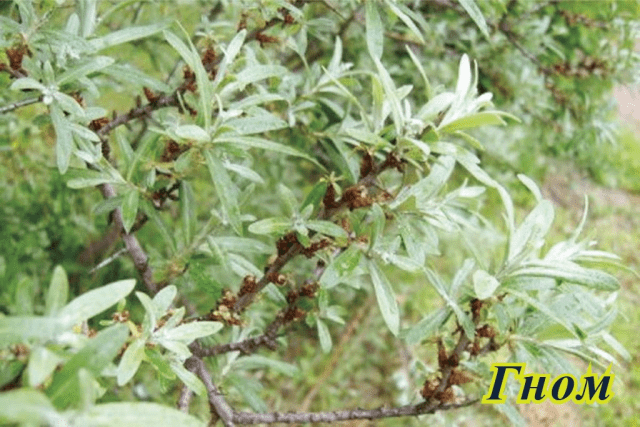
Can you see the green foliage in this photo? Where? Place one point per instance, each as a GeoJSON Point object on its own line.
{"type": "Point", "coordinates": [266, 163]}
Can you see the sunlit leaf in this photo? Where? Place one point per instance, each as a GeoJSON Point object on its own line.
{"type": "Point", "coordinates": [225, 190]}
{"type": "Point", "coordinates": [385, 297]}
{"type": "Point", "coordinates": [474, 12]}
{"type": "Point", "coordinates": [130, 361]}
{"type": "Point", "coordinates": [94, 356]}
{"type": "Point", "coordinates": [58, 291]}
{"type": "Point", "coordinates": [324, 336]}
{"type": "Point", "coordinates": [95, 301]}
{"type": "Point", "coordinates": [126, 35]}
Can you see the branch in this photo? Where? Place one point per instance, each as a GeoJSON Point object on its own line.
{"type": "Point", "coordinates": [142, 111]}
{"type": "Point", "coordinates": [349, 414]}
{"type": "Point", "coordinates": [221, 408]}
{"type": "Point", "coordinates": [286, 315]}
{"type": "Point", "coordinates": [366, 182]}
{"type": "Point", "coordinates": [19, 104]}
{"type": "Point", "coordinates": [172, 100]}
{"type": "Point", "coordinates": [250, 345]}
{"type": "Point", "coordinates": [138, 255]}
{"type": "Point", "coordinates": [185, 399]}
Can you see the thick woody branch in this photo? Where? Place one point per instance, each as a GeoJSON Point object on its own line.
{"type": "Point", "coordinates": [344, 415]}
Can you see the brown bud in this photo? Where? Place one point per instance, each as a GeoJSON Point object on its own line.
{"type": "Point", "coordinates": [429, 389]}
{"type": "Point", "coordinates": [366, 164]}
{"type": "Point", "coordinates": [329, 199]}
{"type": "Point", "coordinates": [249, 285]}
{"type": "Point", "coordinates": [486, 331]}
{"type": "Point", "coordinates": [458, 377]}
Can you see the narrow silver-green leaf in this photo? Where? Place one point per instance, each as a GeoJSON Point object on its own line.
{"type": "Point", "coordinates": [64, 139]}
{"type": "Point", "coordinates": [249, 389]}
{"type": "Point", "coordinates": [225, 190]}
{"type": "Point", "coordinates": [378, 221]}
{"type": "Point", "coordinates": [161, 226]}
{"type": "Point", "coordinates": [241, 244]}
{"type": "Point", "coordinates": [484, 118]}
{"type": "Point", "coordinates": [25, 406]}
{"type": "Point", "coordinates": [532, 230]}
{"type": "Point", "coordinates": [94, 357]}
{"type": "Point", "coordinates": [229, 55]}
{"type": "Point", "coordinates": [385, 297]}
{"type": "Point", "coordinates": [130, 361]}
{"type": "Point", "coordinates": [135, 414]}
{"type": "Point", "coordinates": [570, 272]}
{"type": "Point", "coordinates": [15, 329]}
{"type": "Point", "coordinates": [189, 379]}
{"type": "Point", "coordinates": [423, 74]}
{"type": "Point", "coordinates": [25, 83]}
{"type": "Point", "coordinates": [289, 199]}
{"type": "Point", "coordinates": [326, 227]}
{"type": "Point", "coordinates": [463, 318]}
{"type": "Point", "coordinates": [127, 73]}
{"type": "Point", "coordinates": [474, 12]}
{"type": "Point", "coordinates": [260, 72]}
{"type": "Point", "coordinates": [58, 291]}
{"type": "Point", "coordinates": [193, 330]}
{"type": "Point", "coordinates": [427, 326]}
{"type": "Point", "coordinates": [125, 148]}
{"type": "Point", "coordinates": [531, 185]}
{"type": "Point", "coordinates": [271, 226]}
{"type": "Point", "coordinates": [193, 132]}
{"type": "Point", "coordinates": [256, 362]}
{"type": "Point", "coordinates": [187, 211]}
{"type": "Point", "coordinates": [396, 9]}
{"type": "Point", "coordinates": [90, 66]}
{"type": "Point", "coordinates": [374, 30]}
{"type": "Point", "coordinates": [265, 144]}
{"type": "Point", "coordinates": [341, 266]}
{"type": "Point", "coordinates": [95, 301]}
{"type": "Point", "coordinates": [130, 209]}
{"type": "Point", "coordinates": [163, 299]}
{"type": "Point", "coordinates": [540, 306]}
{"type": "Point", "coordinates": [256, 124]}
{"type": "Point", "coordinates": [90, 178]}
{"type": "Point", "coordinates": [324, 336]}
{"type": "Point", "coordinates": [484, 284]}
{"type": "Point", "coordinates": [42, 363]}
{"type": "Point", "coordinates": [126, 35]}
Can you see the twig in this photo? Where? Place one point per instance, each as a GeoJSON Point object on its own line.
{"type": "Point", "coordinates": [219, 405]}
{"type": "Point", "coordinates": [142, 111]}
{"type": "Point", "coordinates": [446, 372]}
{"type": "Point", "coordinates": [108, 260]}
{"type": "Point", "coordinates": [19, 104]}
{"type": "Point", "coordinates": [140, 258]}
{"type": "Point", "coordinates": [325, 213]}
{"type": "Point", "coordinates": [267, 339]}
{"type": "Point", "coordinates": [185, 399]}
{"type": "Point", "coordinates": [349, 414]}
